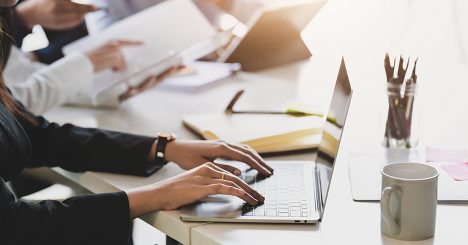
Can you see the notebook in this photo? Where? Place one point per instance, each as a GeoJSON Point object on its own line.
{"type": "Point", "coordinates": [265, 133]}
{"type": "Point", "coordinates": [168, 30]}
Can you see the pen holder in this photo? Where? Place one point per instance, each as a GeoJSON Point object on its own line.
{"type": "Point", "coordinates": [400, 115]}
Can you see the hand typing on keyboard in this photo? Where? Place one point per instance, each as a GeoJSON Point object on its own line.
{"type": "Point", "coordinates": [284, 193]}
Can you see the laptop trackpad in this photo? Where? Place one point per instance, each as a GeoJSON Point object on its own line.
{"type": "Point", "coordinates": [220, 206]}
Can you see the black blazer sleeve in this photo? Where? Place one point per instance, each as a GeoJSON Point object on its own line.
{"type": "Point", "coordinates": [92, 219]}
{"type": "Point", "coordinates": [82, 149]}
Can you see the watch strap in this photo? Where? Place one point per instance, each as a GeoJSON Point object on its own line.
{"type": "Point", "coordinates": [162, 140]}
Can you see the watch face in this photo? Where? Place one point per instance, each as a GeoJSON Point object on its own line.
{"type": "Point", "coordinates": [168, 136]}
{"type": "Point", "coordinates": [165, 135]}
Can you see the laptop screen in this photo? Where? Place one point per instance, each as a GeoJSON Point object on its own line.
{"type": "Point", "coordinates": [332, 132]}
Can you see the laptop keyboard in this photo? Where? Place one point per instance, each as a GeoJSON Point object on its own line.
{"type": "Point", "coordinates": [285, 193]}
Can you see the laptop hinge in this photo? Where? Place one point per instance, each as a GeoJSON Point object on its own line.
{"type": "Point", "coordinates": [318, 191]}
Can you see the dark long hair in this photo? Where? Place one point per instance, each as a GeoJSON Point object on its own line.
{"type": "Point", "coordinates": [6, 40]}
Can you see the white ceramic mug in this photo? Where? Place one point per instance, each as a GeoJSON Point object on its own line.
{"type": "Point", "coordinates": [409, 201]}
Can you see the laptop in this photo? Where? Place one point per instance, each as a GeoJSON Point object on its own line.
{"type": "Point", "coordinates": [297, 191]}
{"type": "Point", "coordinates": [273, 37]}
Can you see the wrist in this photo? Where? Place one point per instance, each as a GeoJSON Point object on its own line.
{"type": "Point", "coordinates": [93, 61]}
{"type": "Point", "coordinates": [142, 201]}
{"type": "Point", "coordinates": [25, 14]}
{"type": "Point", "coordinates": [171, 145]}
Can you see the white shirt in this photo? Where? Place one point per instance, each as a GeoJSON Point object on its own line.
{"type": "Point", "coordinates": [42, 87]}
{"type": "Point", "coordinates": [119, 9]}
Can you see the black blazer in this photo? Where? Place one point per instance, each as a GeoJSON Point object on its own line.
{"type": "Point", "coordinates": [91, 219]}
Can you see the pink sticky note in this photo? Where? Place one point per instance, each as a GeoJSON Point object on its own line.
{"type": "Point", "coordinates": [444, 155]}
{"type": "Point", "coordinates": [458, 171]}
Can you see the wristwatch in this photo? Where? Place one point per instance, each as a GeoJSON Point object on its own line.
{"type": "Point", "coordinates": [162, 140]}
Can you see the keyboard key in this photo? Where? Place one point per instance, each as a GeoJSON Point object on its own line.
{"type": "Point", "coordinates": [248, 214]}
{"type": "Point", "coordinates": [271, 212]}
{"type": "Point", "coordinates": [305, 214]}
{"type": "Point", "coordinates": [294, 198]}
{"type": "Point", "coordinates": [295, 204]}
{"type": "Point", "coordinates": [286, 206]}
{"type": "Point", "coordinates": [259, 211]}
{"type": "Point", "coordinates": [271, 205]}
{"type": "Point", "coordinates": [283, 214]}
{"type": "Point", "coordinates": [295, 208]}
{"type": "Point", "coordinates": [283, 210]}
{"type": "Point", "coordinates": [295, 214]}
{"type": "Point", "coordinates": [271, 198]}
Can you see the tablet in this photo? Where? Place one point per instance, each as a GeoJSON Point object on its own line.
{"type": "Point", "coordinates": [273, 37]}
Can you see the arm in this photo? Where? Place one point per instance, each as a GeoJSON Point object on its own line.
{"type": "Point", "coordinates": [92, 219]}
{"type": "Point", "coordinates": [104, 218]}
{"type": "Point", "coordinates": [41, 87]}
{"type": "Point", "coordinates": [89, 149]}
{"type": "Point", "coordinates": [95, 219]}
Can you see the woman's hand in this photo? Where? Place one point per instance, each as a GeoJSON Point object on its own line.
{"type": "Point", "coordinates": [189, 187]}
{"type": "Point", "coordinates": [109, 55]}
{"type": "Point", "coordinates": [148, 83]}
{"type": "Point", "coordinates": [189, 154]}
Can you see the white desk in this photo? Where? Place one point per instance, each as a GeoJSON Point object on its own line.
{"type": "Point", "coordinates": [344, 218]}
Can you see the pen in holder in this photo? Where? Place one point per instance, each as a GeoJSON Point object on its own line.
{"type": "Point", "coordinates": [400, 117]}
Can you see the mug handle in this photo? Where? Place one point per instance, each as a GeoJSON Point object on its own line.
{"type": "Point", "coordinates": [394, 227]}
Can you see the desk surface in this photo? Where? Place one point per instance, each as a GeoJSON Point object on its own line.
{"type": "Point", "coordinates": [308, 81]}
{"type": "Point", "coordinates": [442, 85]}
{"type": "Point", "coordinates": [356, 222]}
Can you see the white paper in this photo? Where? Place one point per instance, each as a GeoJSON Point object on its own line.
{"type": "Point", "coordinates": [206, 73]}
